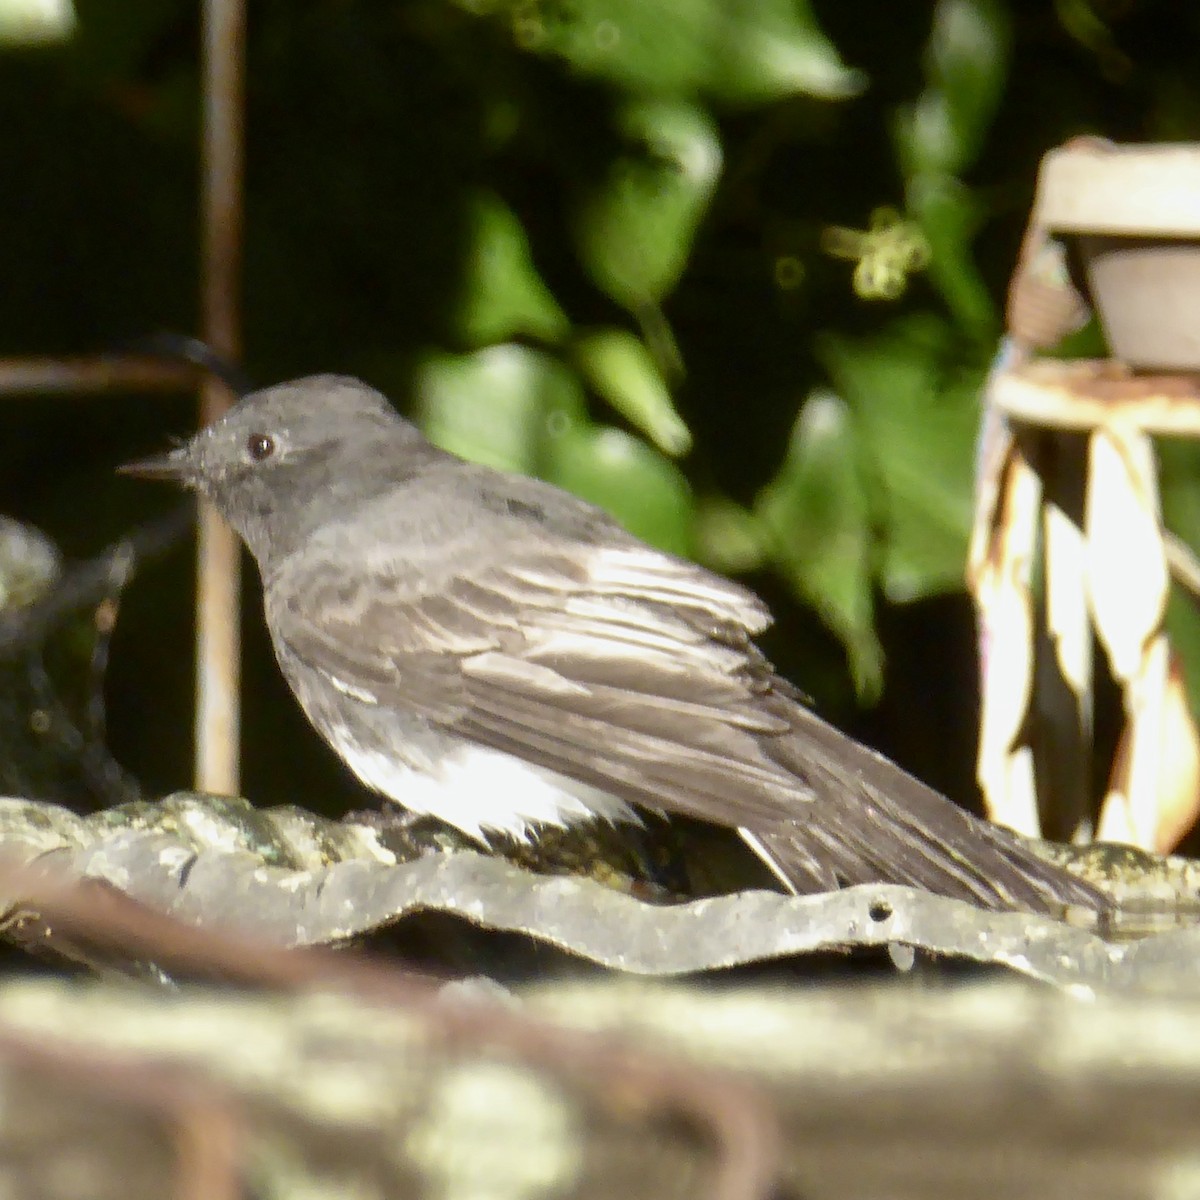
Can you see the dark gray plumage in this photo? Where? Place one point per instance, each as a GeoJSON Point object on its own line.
{"type": "Point", "coordinates": [489, 649]}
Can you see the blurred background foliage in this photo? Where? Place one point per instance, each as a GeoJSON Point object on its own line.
{"type": "Point", "coordinates": [733, 269]}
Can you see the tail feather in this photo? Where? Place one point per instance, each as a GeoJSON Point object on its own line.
{"type": "Point", "coordinates": [872, 822]}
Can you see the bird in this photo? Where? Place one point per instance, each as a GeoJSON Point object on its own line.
{"type": "Point", "coordinates": [487, 649]}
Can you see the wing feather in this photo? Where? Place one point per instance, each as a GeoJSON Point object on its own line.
{"type": "Point", "coordinates": [634, 672]}
{"type": "Point", "coordinates": [556, 663]}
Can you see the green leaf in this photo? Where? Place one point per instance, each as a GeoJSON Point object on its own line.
{"type": "Point", "coordinates": [505, 406]}
{"type": "Point", "coordinates": [966, 63]}
{"type": "Point", "coordinates": [729, 538]}
{"type": "Point", "coordinates": [620, 367]}
{"type": "Point", "coordinates": [775, 49]}
{"type": "Point", "coordinates": [503, 295]}
{"type": "Point", "coordinates": [941, 134]}
{"type": "Point", "coordinates": [817, 517]}
{"type": "Point", "coordinates": [522, 410]}
{"type": "Point", "coordinates": [643, 490]}
{"type": "Point", "coordinates": [635, 232]}
{"type": "Point", "coordinates": [949, 215]}
{"type": "Point", "coordinates": [917, 426]}
{"type": "Point", "coordinates": [735, 52]}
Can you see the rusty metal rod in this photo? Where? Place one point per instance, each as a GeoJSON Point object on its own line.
{"type": "Point", "coordinates": [218, 630]}
{"type": "Point", "coordinates": [94, 373]}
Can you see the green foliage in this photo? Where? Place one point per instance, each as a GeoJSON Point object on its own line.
{"type": "Point", "coordinates": [943, 130]}
{"type": "Point", "coordinates": [731, 268]}
{"type": "Point", "coordinates": [744, 52]}
{"type": "Point", "coordinates": [941, 134]}
{"type": "Point", "coordinates": [914, 429]}
{"type": "Point", "coordinates": [645, 491]}
{"type": "Point", "coordinates": [622, 370]}
{"type": "Point", "coordinates": [506, 406]}
{"type": "Point", "coordinates": [818, 517]}
{"type": "Point", "coordinates": [503, 295]}
{"type": "Point", "coordinates": [873, 493]}
{"type": "Point", "coordinates": [635, 230]}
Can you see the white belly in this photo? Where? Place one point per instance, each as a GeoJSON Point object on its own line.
{"type": "Point", "coordinates": [480, 791]}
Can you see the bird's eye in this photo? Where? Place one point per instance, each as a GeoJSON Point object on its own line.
{"type": "Point", "coordinates": [260, 446]}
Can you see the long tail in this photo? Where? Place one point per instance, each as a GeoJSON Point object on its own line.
{"type": "Point", "coordinates": [872, 822]}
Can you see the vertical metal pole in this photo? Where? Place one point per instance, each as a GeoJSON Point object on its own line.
{"type": "Point", "coordinates": [218, 633]}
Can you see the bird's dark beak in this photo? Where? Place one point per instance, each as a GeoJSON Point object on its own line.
{"type": "Point", "coordinates": [175, 467]}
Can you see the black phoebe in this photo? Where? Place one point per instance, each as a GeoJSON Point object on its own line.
{"type": "Point", "coordinates": [493, 651]}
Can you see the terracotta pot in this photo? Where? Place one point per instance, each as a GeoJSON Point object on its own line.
{"type": "Point", "coordinates": [1134, 213]}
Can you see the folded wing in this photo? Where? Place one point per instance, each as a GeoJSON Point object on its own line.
{"type": "Point", "coordinates": [635, 672]}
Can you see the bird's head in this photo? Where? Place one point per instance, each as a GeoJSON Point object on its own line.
{"type": "Point", "coordinates": [273, 453]}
